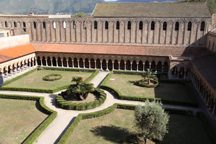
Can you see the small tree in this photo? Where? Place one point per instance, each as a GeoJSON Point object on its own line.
{"type": "Point", "coordinates": [80, 14]}
{"type": "Point", "coordinates": [151, 120]}
{"type": "Point", "coordinates": [149, 74]}
{"type": "Point", "coordinates": [77, 79]}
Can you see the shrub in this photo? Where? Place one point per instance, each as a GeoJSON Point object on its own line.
{"type": "Point", "coordinates": [56, 77]}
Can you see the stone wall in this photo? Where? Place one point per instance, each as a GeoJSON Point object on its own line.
{"type": "Point", "coordinates": [140, 31]}
{"type": "Point", "coordinates": [12, 41]}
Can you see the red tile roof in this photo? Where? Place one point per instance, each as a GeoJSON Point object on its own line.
{"type": "Point", "coordinates": [15, 52]}
{"type": "Point", "coordinates": [111, 49]}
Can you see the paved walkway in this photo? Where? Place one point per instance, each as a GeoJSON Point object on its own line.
{"type": "Point", "coordinates": [56, 129]}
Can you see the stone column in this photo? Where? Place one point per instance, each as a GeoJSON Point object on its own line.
{"type": "Point", "coordinates": [131, 66]}
{"type": "Point", "coordinates": [118, 65]}
{"type": "Point", "coordinates": [61, 63]}
{"type": "Point", "coordinates": [95, 64]}
{"type": "Point", "coordinates": [149, 65]}
{"type": "Point", "coordinates": [124, 65]}
{"type": "Point", "coordinates": [46, 61]}
{"type": "Point", "coordinates": [112, 65]}
{"type": "Point", "coordinates": [101, 65]}
{"type": "Point", "coordinates": [90, 64]}
{"type": "Point", "coordinates": [78, 64]}
{"type": "Point", "coordinates": [51, 62]}
{"type": "Point", "coordinates": [162, 69]}
{"type": "Point", "coordinates": [83, 63]}
{"type": "Point", "coordinates": [107, 66]}
{"type": "Point", "coordinates": [143, 66]}
{"type": "Point", "coordinates": [137, 66]}
{"type": "Point", "coordinates": [72, 63]}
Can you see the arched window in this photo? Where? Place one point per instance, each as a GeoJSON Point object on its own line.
{"type": "Point", "coordinates": [164, 26]}
{"type": "Point", "coordinates": [24, 24]}
{"type": "Point", "coordinates": [177, 26]}
{"type": "Point", "coordinates": [15, 25]}
{"type": "Point", "coordinates": [64, 24]}
{"type": "Point", "coordinates": [202, 26]}
{"type": "Point", "coordinates": [117, 25]}
{"type": "Point", "coordinates": [95, 24]}
{"type": "Point", "coordinates": [34, 25]}
{"type": "Point", "coordinates": [6, 24]}
{"type": "Point", "coordinates": [44, 25]}
{"type": "Point", "coordinates": [106, 25]}
{"type": "Point", "coordinates": [140, 25]}
{"type": "Point", "coordinates": [152, 25]}
{"type": "Point", "coordinates": [189, 26]}
{"type": "Point", "coordinates": [54, 25]}
{"type": "Point", "coordinates": [129, 25]}
{"type": "Point", "coordinates": [74, 24]}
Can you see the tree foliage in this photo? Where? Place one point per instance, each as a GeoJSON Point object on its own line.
{"type": "Point", "coordinates": [149, 74]}
{"type": "Point", "coordinates": [151, 120]}
{"type": "Point", "coordinates": [77, 79]}
{"type": "Point", "coordinates": [80, 14]}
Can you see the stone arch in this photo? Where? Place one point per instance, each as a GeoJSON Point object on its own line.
{"type": "Point", "coordinates": [134, 65]}
{"type": "Point", "coordinates": [166, 67]}
{"type": "Point", "coordinates": [75, 62]}
{"type": "Point", "coordinates": [43, 61]}
{"type": "Point", "coordinates": [110, 64]}
{"type": "Point", "coordinates": [140, 66]}
{"type": "Point", "coordinates": [202, 26]}
{"type": "Point", "coordinates": [174, 70]}
{"type": "Point", "coordinates": [54, 61]}
{"type": "Point", "coordinates": [64, 62]}
{"type": "Point", "coordinates": [92, 63]}
{"type": "Point", "coordinates": [59, 62]}
{"type": "Point", "coordinates": [116, 65]}
{"type": "Point", "coordinates": [146, 65]}
{"type": "Point", "coordinates": [81, 63]}
{"type": "Point", "coordinates": [48, 61]}
{"type": "Point", "coordinates": [153, 66]}
{"type": "Point", "coordinates": [122, 65]}
{"type": "Point", "coordinates": [98, 64]}
{"type": "Point", "coordinates": [38, 60]}
{"type": "Point", "coordinates": [159, 66]}
{"type": "Point", "coordinates": [128, 65]}
{"type": "Point", "coordinates": [70, 62]}
{"type": "Point", "coordinates": [86, 63]}
{"type": "Point", "coordinates": [104, 64]}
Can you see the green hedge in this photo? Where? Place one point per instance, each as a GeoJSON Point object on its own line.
{"type": "Point", "coordinates": [69, 105]}
{"type": "Point", "coordinates": [47, 90]}
{"type": "Point", "coordinates": [193, 102]}
{"type": "Point", "coordinates": [18, 77]}
{"type": "Point", "coordinates": [47, 77]}
{"type": "Point", "coordinates": [110, 109]}
{"type": "Point", "coordinates": [76, 121]}
{"type": "Point", "coordinates": [139, 83]}
{"type": "Point", "coordinates": [52, 115]}
{"type": "Point", "coordinates": [208, 127]}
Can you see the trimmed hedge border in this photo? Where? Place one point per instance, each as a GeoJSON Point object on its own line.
{"type": "Point", "coordinates": [37, 131]}
{"type": "Point", "coordinates": [108, 110]}
{"type": "Point", "coordinates": [139, 98]}
{"type": "Point", "coordinates": [47, 77]}
{"type": "Point", "coordinates": [139, 83]}
{"type": "Point", "coordinates": [62, 103]}
{"type": "Point", "coordinates": [47, 90]}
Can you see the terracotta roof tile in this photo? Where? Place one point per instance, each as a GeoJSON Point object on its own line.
{"type": "Point", "coordinates": [14, 52]}
{"type": "Point", "coordinates": [110, 49]}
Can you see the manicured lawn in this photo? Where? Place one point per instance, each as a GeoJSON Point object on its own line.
{"type": "Point", "coordinates": [110, 128]}
{"type": "Point", "coordinates": [18, 118]}
{"type": "Point", "coordinates": [124, 83]}
{"type": "Point", "coordinates": [34, 80]}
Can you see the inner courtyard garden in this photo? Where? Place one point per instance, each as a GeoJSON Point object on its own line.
{"type": "Point", "coordinates": [113, 124]}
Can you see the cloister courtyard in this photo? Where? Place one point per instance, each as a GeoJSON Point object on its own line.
{"type": "Point", "coordinates": [186, 124]}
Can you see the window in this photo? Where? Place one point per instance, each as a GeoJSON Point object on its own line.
{"type": "Point", "coordinates": [164, 26]}
{"type": "Point", "coordinates": [106, 25]}
{"type": "Point", "coordinates": [140, 25]}
{"type": "Point", "coordinates": [7, 34]}
{"type": "Point", "coordinates": [95, 24]}
{"type": "Point", "coordinates": [34, 25]}
{"type": "Point", "coordinates": [117, 25]}
{"type": "Point", "coordinates": [84, 24]}
{"type": "Point", "coordinates": [24, 24]}
{"type": "Point", "coordinates": [44, 25]}
{"type": "Point", "coordinates": [189, 26]}
{"type": "Point", "coordinates": [152, 25]}
{"type": "Point", "coordinates": [54, 25]}
{"type": "Point", "coordinates": [24, 29]}
{"type": "Point", "coordinates": [74, 24]}
{"type": "Point", "coordinates": [202, 26]}
{"type": "Point", "coordinates": [64, 24]}
{"type": "Point", "coordinates": [6, 24]}
{"type": "Point", "coordinates": [15, 25]}
{"type": "Point", "coordinates": [129, 25]}
{"type": "Point", "coordinates": [177, 26]}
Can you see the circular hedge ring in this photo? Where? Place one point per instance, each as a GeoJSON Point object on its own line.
{"type": "Point", "coordinates": [52, 77]}
{"type": "Point", "coordinates": [143, 84]}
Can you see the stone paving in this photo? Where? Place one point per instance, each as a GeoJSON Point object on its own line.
{"type": "Point", "coordinates": [56, 129]}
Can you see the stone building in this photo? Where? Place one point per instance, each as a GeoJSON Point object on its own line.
{"type": "Point", "coordinates": [175, 39]}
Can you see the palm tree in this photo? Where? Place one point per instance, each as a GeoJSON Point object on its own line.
{"type": "Point", "coordinates": [83, 90]}
{"type": "Point", "coordinates": [77, 79]}
{"type": "Point", "coordinates": [149, 75]}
